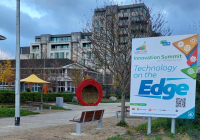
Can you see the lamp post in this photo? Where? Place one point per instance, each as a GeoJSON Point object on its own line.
{"type": "Point", "coordinates": [17, 73]}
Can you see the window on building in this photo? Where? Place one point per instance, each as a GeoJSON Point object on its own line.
{"type": "Point", "coordinates": [36, 87]}
{"type": "Point", "coordinates": [96, 29]}
{"type": "Point", "coordinates": [83, 55]}
{"type": "Point", "coordinates": [24, 86]}
{"type": "Point", "coordinates": [35, 48]}
{"type": "Point", "coordinates": [56, 55]}
{"type": "Point", "coordinates": [53, 48]}
{"type": "Point", "coordinates": [67, 55]}
{"type": "Point", "coordinates": [37, 55]}
{"type": "Point", "coordinates": [135, 18]}
{"type": "Point", "coordinates": [95, 22]}
{"type": "Point", "coordinates": [66, 47]}
{"type": "Point", "coordinates": [51, 55]}
{"type": "Point", "coordinates": [99, 13]}
{"type": "Point", "coordinates": [101, 22]}
{"type": "Point", "coordinates": [137, 27]}
{"type": "Point", "coordinates": [53, 39]}
{"type": "Point", "coordinates": [31, 55]}
{"type": "Point", "coordinates": [122, 38]}
{"type": "Point", "coordinates": [37, 40]}
{"type": "Point", "coordinates": [85, 37]}
{"type": "Point", "coordinates": [61, 39]}
{"type": "Point", "coordinates": [128, 10]}
{"type": "Point", "coordinates": [144, 11]}
{"type": "Point", "coordinates": [101, 29]}
{"type": "Point", "coordinates": [83, 61]}
{"type": "Point", "coordinates": [140, 9]}
{"type": "Point", "coordinates": [87, 45]}
{"type": "Point", "coordinates": [93, 55]}
{"type": "Point", "coordinates": [67, 39]}
{"type": "Point", "coordinates": [68, 83]}
{"type": "Point", "coordinates": [123, 20]}
{"type": "Point", "coordinates": [122, 11]}
{"type": "Point", "coordinates": [61, 54]}
{"type": "Point", "coordinates": [123, 28]}
{"type": "Point", "coordinates": [88, 54]}
{"type": "Point", "coordinates": [60, 47]}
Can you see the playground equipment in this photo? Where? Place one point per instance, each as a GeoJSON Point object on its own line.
{"type": "Point", "coordinates": [89, 92]}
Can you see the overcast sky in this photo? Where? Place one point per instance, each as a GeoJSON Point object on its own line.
{"type": "Point", "coordinates": [64, 16]}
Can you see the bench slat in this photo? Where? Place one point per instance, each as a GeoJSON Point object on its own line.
{"type": "Point", "coordinates": [87, 116]}
{"type": "Point", "coordinates": [98, 114]}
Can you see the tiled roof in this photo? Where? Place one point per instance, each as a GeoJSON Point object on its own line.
{"type": "Point", "coordinates": [35, 63]}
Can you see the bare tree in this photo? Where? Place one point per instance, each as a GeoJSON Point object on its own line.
{"type": "Point", "coordinates": [55, 74]}
{"type": "Point", "coordinates": [111, 37]}
{"type": "Point", "coordinates": [76, 74]}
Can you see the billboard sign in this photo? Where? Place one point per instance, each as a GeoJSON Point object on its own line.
{"type": "Point", "coordinates": [163, 76]}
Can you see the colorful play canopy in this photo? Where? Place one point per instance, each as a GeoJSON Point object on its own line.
{"type": "Point", "coordinates": [34, 79]}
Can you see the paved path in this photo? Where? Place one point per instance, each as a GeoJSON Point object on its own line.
{"type": "Point", "coordinates": [53, 119]}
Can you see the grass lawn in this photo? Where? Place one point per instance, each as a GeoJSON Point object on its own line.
{"type": "Point", "coordinates": [161, 130]}
{"type": "Point", "coordinates": [7, 112]}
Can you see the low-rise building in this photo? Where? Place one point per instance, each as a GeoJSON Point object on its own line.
{"type": "Point", "coordinates": [64, 74]}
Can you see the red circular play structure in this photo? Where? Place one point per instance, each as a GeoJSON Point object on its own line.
{"type": "Point", "coordinates": [89, 92]}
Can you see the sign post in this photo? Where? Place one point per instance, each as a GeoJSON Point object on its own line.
{"type": "Point", "coordinates": [173, 126]}
{"type": "Point", "coordinates": [149, 126]}
{"type": "Point", "coordinates": [163, 77]}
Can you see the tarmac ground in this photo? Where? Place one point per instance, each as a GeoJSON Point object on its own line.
{"type": "Point", "coordinates": [7, 124]}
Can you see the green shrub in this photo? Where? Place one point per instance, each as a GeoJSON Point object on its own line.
{"type": "Point", "coordinates": [119, 96]}
{"type": "Point", "coordinates": [128, 131]}
{"type": "Point", "coordinates": [114, 95]}
{"type": "Point", "coordinates": [156, 125]}
{"type": "Point", "coordinates": [35, 96]}
{"type": "Point", "coordinates": [116, 138]}
{"type": "Point", "coordinates": [171, 135]}
{"type": "Point", "coordinates": [122, 124]}
{"type": "Point", "coordinates": [197, 102]}
{"type": "Point", "coordinates": [28, 90]}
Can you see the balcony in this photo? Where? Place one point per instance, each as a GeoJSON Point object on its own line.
{"type": "Point", "coordinates": [35, 50]}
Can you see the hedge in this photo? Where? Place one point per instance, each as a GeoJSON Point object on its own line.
{"type": "Point", "coordinates": [35, 96]}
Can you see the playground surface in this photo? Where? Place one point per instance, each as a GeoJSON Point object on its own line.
{"type": "Point", "coordinates": [56, 125]}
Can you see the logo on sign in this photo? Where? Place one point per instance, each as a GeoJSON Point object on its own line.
{"type": "Point", "coordinates": [150, 109]}
{"type": "Point", "coordinates": [162, 90]}
{"type": "Point", "coordinates": [165, 43]}
{"type": "Point", "coordinates": [141, 49]}
{"type": "Point", "coordinates": [190, 114]}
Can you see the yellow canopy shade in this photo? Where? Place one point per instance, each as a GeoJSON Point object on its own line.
{"type": "Point", "coordinates": [33, 79]}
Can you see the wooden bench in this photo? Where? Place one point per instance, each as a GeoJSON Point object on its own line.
{"type": "Point", "coordinates": [126, 112]}
{"type": "Point", "coordinates": [88, 117]}
{"type": "Point", "coordinates": [31, 107]}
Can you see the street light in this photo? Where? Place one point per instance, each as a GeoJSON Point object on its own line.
{"type": "Point", "coordinates": [17, 73]}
